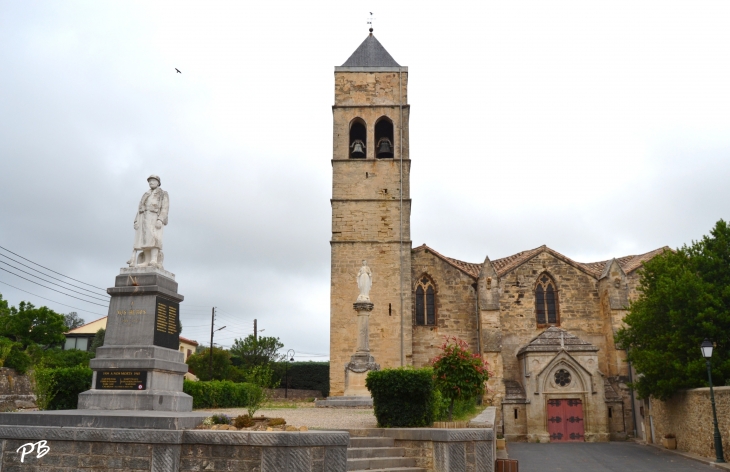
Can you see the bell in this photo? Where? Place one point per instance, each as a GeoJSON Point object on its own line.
{"type": "Point", "coordinates": [358, 149]}
{"type": "Point", "coordinates": [385, 148]}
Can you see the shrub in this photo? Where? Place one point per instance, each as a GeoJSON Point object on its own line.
{"type": "Point", "coordinates": [56, 358]}
{"type": "Point", "coordinates": [304, 376]}
{"type": "Point", "coordinates": [70, 381]}
{"type": "Point", "coordinates": [18, 359]}
{"type": "Point", "coordinates": [402, 397]}
{"type": "Point", "coordinates": [6, 345]}
{"type": "Point", "coordinates": [219, 393]}
{"type": "Point", "coordinates": [243, 421]}
{"type": "Point", "coordinates": [44, 386]}
{"type": "Point", "coordinates": [459, 374]}
{"type": "Point", "coordinates": [220, 419]}
{"type": "Point", "coordinates": [199, 364]}
{"type": "Point", "coordinates": [277, 422]}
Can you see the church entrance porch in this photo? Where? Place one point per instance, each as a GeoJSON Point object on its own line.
{"type": "Point", "coordinates": [565, 420]}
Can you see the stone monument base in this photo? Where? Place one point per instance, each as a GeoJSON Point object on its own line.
{"type": "Point", "coordinates": [164, 373]}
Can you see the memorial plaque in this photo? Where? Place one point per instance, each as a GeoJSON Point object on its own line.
{"type": "Point", "coordinates": [119, 379]}
{"type": "Point", "coordinates": [166, 316]}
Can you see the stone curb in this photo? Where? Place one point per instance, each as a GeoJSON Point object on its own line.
{"type": "Point", "coordinates": [688, 455]}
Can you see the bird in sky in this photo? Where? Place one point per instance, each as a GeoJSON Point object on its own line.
{"type": "Point", "coordinates": [178, 70]}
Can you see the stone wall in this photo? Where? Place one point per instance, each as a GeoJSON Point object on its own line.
{"type": "Point", "coordinates": [455, 307]}
{"type": "Point", "coordinates": [688, 415]}
{"type": "Point", "coordinates": [16, 391]}
{"type": "Point", "coordinates": [74, 449]}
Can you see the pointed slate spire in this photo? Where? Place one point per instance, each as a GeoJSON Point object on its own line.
{"type": "Point", "coordinates": [370, 54]}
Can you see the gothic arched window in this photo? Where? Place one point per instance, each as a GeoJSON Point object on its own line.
{"type": "Point", "coordinates": [384, 138]}
{"type": "Point", "coordinates": [546, 301]}
{"type": "Point", "coordinates": [358, 139]}
{"type": "Point", "coordinates": [425, 302]}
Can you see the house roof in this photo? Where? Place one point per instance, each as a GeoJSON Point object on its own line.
{"type": "Point", "coordinates": [370, 54]}
{"type": "Point", "coordinates": [89, 328]}
{"type": "Point", "coordinates": [188, 341]}
{"type": "Point", "coordinates": [93, 326]}
{"type": "Point", "coordinates": [555, 339]}
{"type": "Point", "coordinates": [509, 263]}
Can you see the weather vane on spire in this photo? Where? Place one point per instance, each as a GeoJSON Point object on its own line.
{"type": "Point", "coordinates": [370, 21]}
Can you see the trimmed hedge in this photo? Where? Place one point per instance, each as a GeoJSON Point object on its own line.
{"type": "Point", "coordinates": [402, 398]}
{"type": "Point", "coordinates": [219, 393]}
{"type": "Point", "coordinates": [70, 381]}
{"type": "Point", "coordinates": [304, 376]}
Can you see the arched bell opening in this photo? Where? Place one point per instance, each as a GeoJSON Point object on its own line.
{"type": "Point", "coordinates": [358, 139]}
{"type": "Point", "coordinates": [384, 138]}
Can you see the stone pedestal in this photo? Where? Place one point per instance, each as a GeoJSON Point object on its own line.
{"type": "Point", "coordinates": [140, 367]}
{"type": "Point", "coordinates": [356, 371]}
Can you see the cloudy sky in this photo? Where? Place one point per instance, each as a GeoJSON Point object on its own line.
{"type": "Point", "coordinates": [601, 129]}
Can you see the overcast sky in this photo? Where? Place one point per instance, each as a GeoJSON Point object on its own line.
{"type": "Point", "coordinates": [601, 129]}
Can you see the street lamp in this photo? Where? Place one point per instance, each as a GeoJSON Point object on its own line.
{"type": "Point", "coordinates": [706, 348]}
{"type": "Point", "coordinates": [289, 356]}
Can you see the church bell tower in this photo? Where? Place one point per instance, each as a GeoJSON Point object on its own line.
{"type": "Point", "coordinates": [371, 208]}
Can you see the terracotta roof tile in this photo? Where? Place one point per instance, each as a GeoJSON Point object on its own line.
{"type": "Point", "coordinates": [506, 264]}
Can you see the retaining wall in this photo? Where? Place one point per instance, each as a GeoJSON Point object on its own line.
{"type": "Point", "coordinates": [75, 449]}
{"type": "Point", "coordinates": [688, 415]}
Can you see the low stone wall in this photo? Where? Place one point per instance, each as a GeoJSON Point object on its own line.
{"type": "Point", "coordinates": [470, 449]}
{"type": "Point", "coordinates": [16, 391]}
{"type": "Point", "coordinates": [74, 449]}
{"type": "Point", "coordinates": [688, 415]}
{"type": "Point", "coordinates": [295, 394]}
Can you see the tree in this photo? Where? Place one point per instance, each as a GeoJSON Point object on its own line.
{"type": "Point", "coordinates": [30, 325]}
{"type": "Point", "coordinates": [73, 320]}
{"type": "Point", "coordinates": [199, 364]}
{"type": "Point", "coordinates": [684, 297]}
{"type": "Point", "coordinates": [459, 374]}
{"type": "Point", "coordinates": [249, 352]}
{"type": "Point", "coordinates": [98, 340]}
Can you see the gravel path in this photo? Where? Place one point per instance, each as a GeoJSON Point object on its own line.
{"type": "Point", "coordinates": [313, 418]}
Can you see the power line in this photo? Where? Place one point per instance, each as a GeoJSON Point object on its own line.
{"type": "Point", "coordinates": [49, 282]}
{"type": "Point", "coordinates": [50, 276]}
{"type": "Point", "coordinates": [49, 288]}
{"type": "Point", "coordinates": [48, 299]}
{"type": "Point", "coordinates": [58, 273]}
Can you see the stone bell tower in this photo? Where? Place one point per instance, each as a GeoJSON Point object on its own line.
{"type": "Point", "coordinates": [371, 208]}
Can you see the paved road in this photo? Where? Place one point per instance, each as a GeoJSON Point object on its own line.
{"type": "Point", "coordinates": [599, 457]}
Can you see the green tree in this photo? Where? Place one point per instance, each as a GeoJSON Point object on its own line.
{"type": "Point", "coordinates": [684, 297]}
{"type": "Point", "coordinates": [30, 325]}
{"type": "Point", "coordinates": [98, 340]}
{"type": "Point", "coordinates": [199, 364]}
{"type": "Point", "coordinates": [459, 374]}
{"type": "Point", "coordinates": [249, 352]}
{"type": "Point", "coordinates": [72, 320]}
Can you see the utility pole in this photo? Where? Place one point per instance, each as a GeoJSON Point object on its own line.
{"type": "Point", "coordinates": [255, 341]}
{"type": "Point", "coordinates": [212, 330]}
{"type": "Point", "coordinates": [210, 363]}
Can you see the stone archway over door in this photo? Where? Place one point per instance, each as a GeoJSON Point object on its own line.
{"type": "Point", "coordinates": [565, 420]}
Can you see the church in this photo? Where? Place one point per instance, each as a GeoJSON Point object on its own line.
{"type": "Point", "coordinates": [544, 322]}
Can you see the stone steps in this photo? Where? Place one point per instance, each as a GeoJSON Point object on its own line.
{"type": "Point", "coordinates": [378, 454]}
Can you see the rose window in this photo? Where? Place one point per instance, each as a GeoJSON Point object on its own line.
{"type": "Point", "coordinates": [562, 377]}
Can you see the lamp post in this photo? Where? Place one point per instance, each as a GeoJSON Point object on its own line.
{"type": "Point", "coordinates": [706, 348]}
{"type": "Point", "coordinates": [289, 356]}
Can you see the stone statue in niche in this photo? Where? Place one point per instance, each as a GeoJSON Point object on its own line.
{"type": "Point", "coordinates": [364, 282]}
{"type": "Point", "coordinates": [148, 226]}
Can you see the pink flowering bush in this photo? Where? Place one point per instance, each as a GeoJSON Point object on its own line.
{"type": "Point", "coordinates": [459, 374]}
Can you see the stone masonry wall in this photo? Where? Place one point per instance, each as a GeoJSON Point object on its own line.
{"type": "Point", "coordinates": [92, 449]}
{"type": "Point", "coordinates": [455, 307]}
{"type": "Point", "coordinates": [688, 415]}
{"type": "Point", "coordinates": [578, 308]}
{"type": "Point", "coordinates": [16, 391]}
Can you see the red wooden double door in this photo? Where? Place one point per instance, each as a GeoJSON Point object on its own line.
{"type": "Point", "coordinates": [565, 420]}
